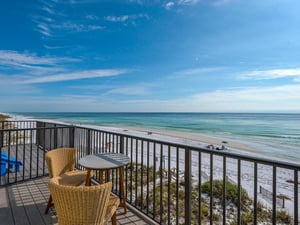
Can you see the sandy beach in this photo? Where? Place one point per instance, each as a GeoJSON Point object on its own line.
{"type": "Point", "coordinates": [265, 172]}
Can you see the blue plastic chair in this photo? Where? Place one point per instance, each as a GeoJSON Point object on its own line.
{"type": "Point", "coordinates": [12, 162]}
{"type": "Point", "coordinates": [3, 168]}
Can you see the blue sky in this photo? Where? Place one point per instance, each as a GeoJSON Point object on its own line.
{"type": "Point", "coordinates": [153, 56]}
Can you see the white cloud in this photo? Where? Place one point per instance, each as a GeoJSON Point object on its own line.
{"type": "Point", "coordinates": [44, 29]}
{"type": "Point", "coordinates": [48, 10]}
{"type": "Point", "coordinates": [31, 63]}
{"type": "Point", "coordinates": [196, 71]}
{"type": "Point", "coordinates": [278, 98]}
{"type": "Point", "coordinates": [92, 17]}
{"type": "Point", "coordinates": [270, 74]}
{"type": "Point", "coordinates": [75, 76]}
{"type": "Point", "coordinates": [172, 4]}
{"type": "Point", "coordinates": [69, 26]}
{"type": "Point", "coordinates": [187, 2]}
{"type": "Point", "coordinates": [8, 57]}
{"type": "Point", "coordinates": [116, 18]}
{"type": "Point", "coordinates": [125, 18]}
{"type": "Point", "coordinates": [169, 5]}
{"type": "Point", "coordinates": [129, 91]}
{"type": "Point", "coordinates": [50, 21]}
{"type": "Point", "coordinates": [255, 99]}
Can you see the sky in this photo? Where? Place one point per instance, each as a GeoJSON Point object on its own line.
{"type": "Point", "coordinates": [150, 56]}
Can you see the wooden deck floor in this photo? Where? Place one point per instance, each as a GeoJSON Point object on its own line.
{"type": "Point", "coordinates": [24, 204]}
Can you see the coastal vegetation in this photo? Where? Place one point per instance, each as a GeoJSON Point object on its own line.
{"type": "Point", "coordinates": [166, 196]}
{"type": "Point", "coordinates": [3, 117]}
{"type": "Point", "coordinates": [12, 136]}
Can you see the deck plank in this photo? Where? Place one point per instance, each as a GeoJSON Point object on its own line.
{"type": "Point", "coordinates": [24, 204]}
{"type": "Point", "coordinates": [5, 210]}
{"type": "Point", "coordinates": [18, 211]}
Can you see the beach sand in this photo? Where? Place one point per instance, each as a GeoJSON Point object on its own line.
{"type": "Point", "coordinates": [265, 172]}
{"type": "Point", "coordinates": [195, 139]}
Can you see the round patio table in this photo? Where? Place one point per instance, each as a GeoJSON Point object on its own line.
{"type": "Point", "coordinates": [104, 162]}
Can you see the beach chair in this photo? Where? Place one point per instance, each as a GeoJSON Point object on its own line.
{"type": "Point", "coordinates": [11, 162]}
{"type": "Point", "coordinates": [61, 163]}
{"type": "Point", "coordinates": [85, 205]}
{"type": "Point", "coordinates": [3, 168]}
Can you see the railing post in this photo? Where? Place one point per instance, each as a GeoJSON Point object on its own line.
{"type": "Point", "coordinates": [1, 138]}
{"type": "Point", "coordinates": [55, 136]}
{"type": "Point", "coordinates": [71, 136]}
{"type": "Point", "coordinates": [122, 144]}
{"type": "Point", "coordinates": [88, 143]}
{"type": "Point", "coordinates": [296, 196]}
{"type": "Point", "coordinates": [188, 185]}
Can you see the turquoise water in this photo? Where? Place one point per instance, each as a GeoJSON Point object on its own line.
{"type": "Point", "coordinates": [271, 134]}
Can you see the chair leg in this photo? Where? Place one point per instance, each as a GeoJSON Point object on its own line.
{"type": "Point", "coordinates": [114, 219]}
{"type": "Point", "coordinates": [49, 204]}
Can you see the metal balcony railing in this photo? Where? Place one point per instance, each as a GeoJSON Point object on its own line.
{"type": "Point", "coordinates": [170, 182]}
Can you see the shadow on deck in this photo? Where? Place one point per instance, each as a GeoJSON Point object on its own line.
{"type": "Point", "coordinates": [24, 204]}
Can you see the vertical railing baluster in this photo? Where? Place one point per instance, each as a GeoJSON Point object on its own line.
{"type": "Point", "coordinates": [255, 194]}
{"type": "Point", "coordinates": [296, 197]}
{"type": "Point", "coordinates": [274, 196]}
{"type": "Point", "coordinates": [55, 136]}
{"type": "Point", "coordinates": [239, 192]}
{"type": "Point", "coordinates": [17, 153]}
{"type": "Point", "coordinates": [136, 170]}
{"type": "Point", "coordinates": [37, 158]}
{"type": "Point", "coordinates": [24, 154]}
{"type": "Point", "coordinates": [30, 154]}
{"type": "Point", "coordinates": [199, 187]}
{"type": "Point", "coordinates": [154, 179]}
{"type": "Point", "coordinates": [188, 186]}
{"type": "Point", "coordinates": [211, 189]}
{"type": "Point", "coordinates": [169, 182]}
{"type": "Point", "coordinates": [131, 170]}
{"type": "Point", "coordinates": [142, 172]}
{"type": "Point", "coordinates": [224, 190]}
{"type": "Point", "coordinates": [177, 185]}
{"type": "Point", "coordinates": [8, 153]}
{"type": "Point", "coordinates": [122, 144]}
{"type": "Point", "coordinates": [148, 174]}
{"type": "Point", "coordinates": [161, 209]}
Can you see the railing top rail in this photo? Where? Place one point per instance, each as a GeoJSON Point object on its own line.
{"type": "Point", "coordinates": [35, 128]}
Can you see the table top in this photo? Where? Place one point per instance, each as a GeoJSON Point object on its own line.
{"type": "Point", "coordinates": [104, 161]}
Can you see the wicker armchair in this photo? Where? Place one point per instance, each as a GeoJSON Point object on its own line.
{"type": "Point", "coordinates": [84, 205]}
{"type": "Point", "coordinates": [61, 163]}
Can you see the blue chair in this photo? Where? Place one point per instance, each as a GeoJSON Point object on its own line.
{"type": "Point", "coordinates": [12, 162]}
{"type": "Point", "coordinates": [3, 168]}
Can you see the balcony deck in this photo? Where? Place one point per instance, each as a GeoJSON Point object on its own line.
{"type": "Point", "coordinates": [24, 204]}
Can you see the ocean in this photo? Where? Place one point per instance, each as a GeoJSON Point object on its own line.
{"type": "Point", "coordinates": [271, 134]}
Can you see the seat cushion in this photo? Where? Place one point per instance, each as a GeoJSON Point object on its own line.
{"type": "Point", "coordinates": [72, 178]}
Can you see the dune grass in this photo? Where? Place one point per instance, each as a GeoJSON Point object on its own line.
{"type": "Point", "coordinates": [3, 117]}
